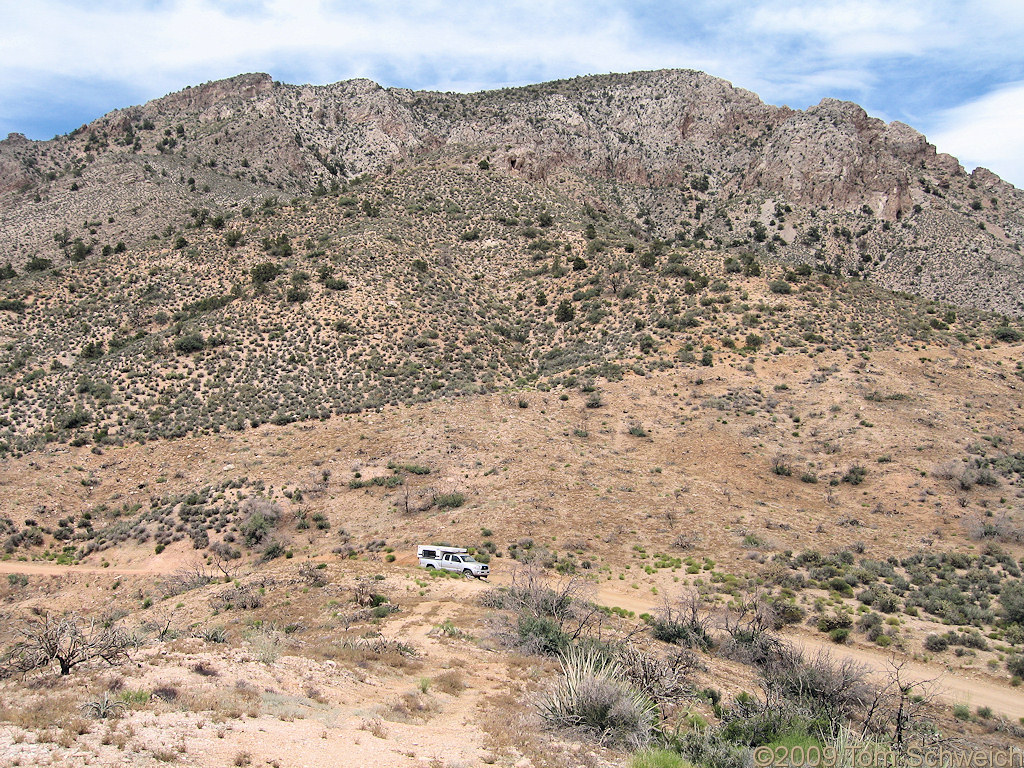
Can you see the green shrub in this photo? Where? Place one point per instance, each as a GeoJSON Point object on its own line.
{"type": "Point", "coordinates": [709, 748]}
{"type": "Point", "coordinates": [541, 634]}
{"type": "Point", "coordinates": [264, 272]}
{"type": "Point", "coordinates": [260, 517]}
{"type": "Point", "coordinates": [565, 312]}
{"type": "Point", "coordinates": [189, 343]}
{"type": "Point", "coordinates": [38, 264]}
{"type": "Point", "coordinates": [1011, 597]}
{"type": "Point", "coordinates": [683, 633]}
{"type": "Point", "coordinates": [659, 758]}
{"type": "Point", "coordinates": [855, 475]}
{"type": "Point", "coordinates": [1015, 665]}
{"type": "Point", "coordinates": [834, 621]}
{"type": "Point", "coordinates": [449, 500]}
{"type": "Point", "coordinates": [272, 551]}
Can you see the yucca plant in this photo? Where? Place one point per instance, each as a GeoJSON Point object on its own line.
{"type": "Point", "coordinates": [105, 707]}
{"type": "Point", "coordinates": [592, 695]}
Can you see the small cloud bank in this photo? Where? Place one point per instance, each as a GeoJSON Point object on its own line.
{"type": "Point", "coordinates": [987, 132]}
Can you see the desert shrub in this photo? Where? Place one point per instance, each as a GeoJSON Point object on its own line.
{"type": "Point", "coordinates": [855, 475]}
{"type": "Point", "coordinates": [244, 597]}
{"type": "Point", "coordinates": [260, 516]}
{"type": "Point", "coordinates": [707, 747]}
{"type": "Point", "coordinates": [752, 724]}
{"type": "Point", "coordinates": [1002, 528]}
{"type": "Point", "coordinates": [38, 264]}
{"type": "Point", "coordinates": [829, 692]}
{"type": "Point", "coordinates": [659, 758]}
{"type": "Point", "coordinates": [833, 621]}
{"type": "Point", "coordinates": [541, 634]}
{"type": "Point", "coordinates": [1006, 333]}
{"type": "Point", "coordinates": [839, 635]}
{"type": "Point", "coordinates": [936, 643]}
{"type": "Point", "coordinates": [264, 272]}
{"type": "Point", "coordinates": [192, 342]}
{"type": "Point", "coordinates": [591, 695]}
{"type": "Point", "coordinates": [780, 466]}
{"type": "Point", "coordinates": [1011, 597]}
{"type": "Point", "coordinates": [788, 612]}
{"type": "Point", "coordinates": [750, 623]}
{"type": "Point", "coordinates": [449, 500]}
{"type": "Point", "coordinates": [683, 624]}
{"type": "Point", "coordinates": [1015, 665]}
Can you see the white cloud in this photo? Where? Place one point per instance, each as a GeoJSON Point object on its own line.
{"type": "Point", "coordinates": [988, 132]}
{"type": "Point", "coordinates": [789, 51]}
{"type": "Point", "coordinates": [853, 27]}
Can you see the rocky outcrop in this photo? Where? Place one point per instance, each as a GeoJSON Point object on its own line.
{"type": "Point", "coordinates": [673, 145]}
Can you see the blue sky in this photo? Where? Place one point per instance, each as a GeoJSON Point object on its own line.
{"type": "Point", "coordinates": [953, 70]}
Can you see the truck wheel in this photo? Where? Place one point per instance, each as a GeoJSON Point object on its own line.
{"type": "Point", "coordinates": [467, 573]}
{"type": "Point", "coordinates": [430, 567]}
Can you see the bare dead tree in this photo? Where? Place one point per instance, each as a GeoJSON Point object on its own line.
{"type": "Point", "coordinates": [684, 621]}
{"type": "Point", "coordinates": [563, 601]}
{"type": "Point", "coordinates": [187, 578]}
{"type": "Point", "coordinates": [226, 559]}
{"type": "Point", "coordinates": [899, 710]}
{"type": "Point", "coordinates": [68, 640]}
{"type": "Point", "coordinates": [663, 677]}
{"type": "Point", "coordinates": [751, 622]}
{"type": "Point", "coordinates": [819, 683]}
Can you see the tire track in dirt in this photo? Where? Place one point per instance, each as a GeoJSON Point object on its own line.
{"type": "Point", "coordinates": [47, 569]}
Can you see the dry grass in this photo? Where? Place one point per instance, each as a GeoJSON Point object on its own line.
{"type": "Point", "coordinates": [452, 682]}
{"type": "Point", "coordinates": [374, 726]}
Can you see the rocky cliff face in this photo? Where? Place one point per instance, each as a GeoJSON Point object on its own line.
{"type": "Point", "coordinates": [680, 153]}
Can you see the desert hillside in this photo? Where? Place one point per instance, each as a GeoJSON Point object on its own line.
{"type": "Point", "coordinates": [678, 155]}
{"type": "Point", "coordinates": [727, 396]}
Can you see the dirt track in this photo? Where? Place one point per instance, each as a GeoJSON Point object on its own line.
{"type": "Point", "coordinates": [51, 569]}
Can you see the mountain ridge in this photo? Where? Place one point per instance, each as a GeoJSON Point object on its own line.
{"type": "Point", "coordinates": [641, 140]}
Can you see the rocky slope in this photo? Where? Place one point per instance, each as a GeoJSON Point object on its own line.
{"type": "Point", "coordinates": [679, 153]}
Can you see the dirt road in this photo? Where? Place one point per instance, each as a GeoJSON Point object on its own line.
{"type": "Point", "coordinates": [39, 568]}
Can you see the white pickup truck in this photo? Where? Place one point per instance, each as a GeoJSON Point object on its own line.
{"type": "Point", "coordinates": [451, 559]}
